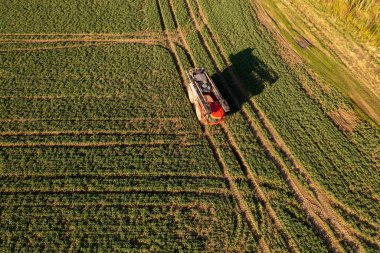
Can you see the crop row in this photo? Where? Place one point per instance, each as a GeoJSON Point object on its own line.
{"type": "Point", "coordinates": [189, 229]}
{"type": "Point", "coordinates": [111, 159]}
{"type": "Point", "coordinates": [104, 184]}
{"type": "Point", "coordinates": [67, 125]}
{"type": "Point", "coordinates": [111, 70]}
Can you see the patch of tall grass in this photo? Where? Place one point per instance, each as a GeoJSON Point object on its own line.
{"type": "Point", "coordinates": [364, 15]}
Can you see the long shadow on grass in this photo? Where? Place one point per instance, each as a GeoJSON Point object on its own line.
{"type": "Point", "coordinates": [253, 73]}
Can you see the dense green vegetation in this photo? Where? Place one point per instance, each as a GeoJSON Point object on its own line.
{"type": "Point", "coordinates": [100, 149]}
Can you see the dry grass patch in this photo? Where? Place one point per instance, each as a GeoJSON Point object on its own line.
{"type": "Point", "coordinates": [346, 119]}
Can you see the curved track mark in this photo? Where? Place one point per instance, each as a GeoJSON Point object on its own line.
{"type": "Point", "coordinates": [234, 190]}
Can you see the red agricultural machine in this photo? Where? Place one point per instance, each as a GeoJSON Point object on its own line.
{"type": "Point", "coordinates": [209, 104]}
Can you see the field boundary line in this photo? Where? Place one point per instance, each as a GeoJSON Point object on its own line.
{"type": "Point", "coordinates": [234, 191]}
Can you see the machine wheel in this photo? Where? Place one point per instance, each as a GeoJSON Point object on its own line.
{"type": "Point", "coordinates": [198, 112]}
{"type": "Point", "coordinates": [190, 94]}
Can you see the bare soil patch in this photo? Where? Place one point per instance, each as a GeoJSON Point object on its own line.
{"type": "Point", "coordinates": [346, 119]}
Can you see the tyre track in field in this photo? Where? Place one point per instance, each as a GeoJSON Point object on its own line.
{"type": "Point", "coordinates": [82, 40]}
{"type": "Point", "coordinates": [243, 207]}
{"type": "Point", "coordinates": [324, 209]}
{"type": "Point", "coordinates": [223, 192]}
{"type": "Point", "coordinates": [87, 40]}
{"type": "Point", "coordinates": [327, 201]}
{"type": "Point", "coordinates": [201, 206]}
{"type": "Point", "coordinates": [291, 57]}
{"type": "Point", "coordinates": [130, 120]}
{"type": "Point", "coordinates": [290, 243]}
{"type": "Point", "coordinates": [98, 132]}
{"type": "Point", "coordinates": [92, 144]}
{"type": "Point", "coordinates": [114, 175]}
{"type": "Point", "coordinates": [53, 97]}
{"type": "Point", "coordinates": [357, 215]}
{"type": "Point", "coordinates": [87, 43]}
{"type": "Point", "coordinates": [28, 49]}
{"type": "Point", "coordinates": [135, 34]}
{"type": "Point", "coordinates": [86, 37]}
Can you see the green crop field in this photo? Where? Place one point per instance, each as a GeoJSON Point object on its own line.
{"type": "Point", "coordinates": [101, 149]}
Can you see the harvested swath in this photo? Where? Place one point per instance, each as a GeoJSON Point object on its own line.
{"type": "Point", "coordinates": [234, 190]}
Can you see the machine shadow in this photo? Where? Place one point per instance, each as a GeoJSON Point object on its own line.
{"type": "Point", "coordinates": [253, 73]}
